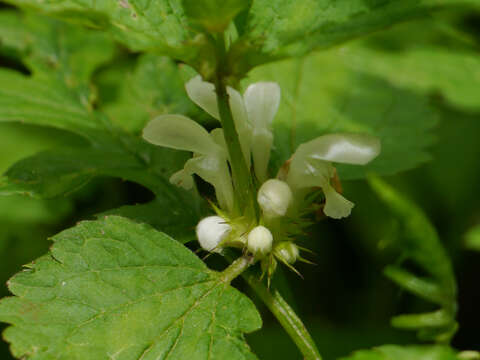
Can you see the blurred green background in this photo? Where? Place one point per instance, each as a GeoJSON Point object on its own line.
{"type": "Point", "coordinates": [345, 300]}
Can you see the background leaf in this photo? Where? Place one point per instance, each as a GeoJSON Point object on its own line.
{"type": "Point", "coordinates": [472, 238]}
{"type": "Point", "coordinates": [59, 94]}
{"type": "Point", "coordinates": [278, 29]}
{"type": "Point", "coordinates": [155, 86]}
{"type": "Point", "coordinates": [321, 95]}
{"type": "Point", "coordinates": [116, 288]}
{"type": "Point", "coordinates": [392, 352]}
{"type": "Point", "coordinates": [418, 241]}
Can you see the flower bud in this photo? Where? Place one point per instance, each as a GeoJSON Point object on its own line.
{"type": "Point", "coordinates": [287, 251]}
{"type": "Point", "coordinates": [211, 231]}
{"type": "Point", "coordinates": [260, 240]}
{"type": "Point", "coordinates": [274, 197]}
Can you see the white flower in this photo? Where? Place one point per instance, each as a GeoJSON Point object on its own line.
{"type": "Point", "coordinates": [210, 158]}
{"type": "Point", "coordinates": [211, 231]}
{"type": "Point", "coordinates": [311, 165]}
{"type": "Point", "coordinates": [253, 114]}
{"type": "Point", "coordinates": [262, 100]}
{"type": "Point", "coordinates": [260, 240]}
{"type": "Point", "coordinates": [274, 197]}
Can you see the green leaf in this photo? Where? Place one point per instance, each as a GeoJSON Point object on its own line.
{"type": "Point", "coordinates": [44, 102]}
{"type": "Point", "coordinates": [419, 242]}
{"type": "Point", "coordinates": [214, 15]}
{"type": "Point", "coordinates": [62, 59]}
{"type": "Point", "coordinates": [285, 28]}
{"type": "Point", "coordinates": [153, 88]}
{"type": "Point", "coordinates": [47, 45]}
{"type": "Point", "coordinates": [60, 98]}
{"type": "Point", "coordinates": [394, 352]}
{"type": "Point", "coordinates": [472, 238]}
{"type": "Point", "coordinates": [160, 26]}
{"type": "Point", "coordinates": [438, 61]}
{"type": "Point", "coordinates": [113, 288]}
{"type": "Point", "coordinates": [322, 95]}
{"type": "Point", "coordinates": [61, 171]}
{"type": "Point", "coordinates": [174, 216]}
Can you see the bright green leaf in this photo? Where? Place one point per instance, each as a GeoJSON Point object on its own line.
{"type": "Point", "coordinates": [62, 58]}
{"type": "Point", "coordinates": [321, 95]}
{"type": "Point", "coordinates": [159, 25]}
{"type": "Point", "coordinates": [43, 102]}
{"type": "Point", "coordinates": [60, 97]}
{"type": "Point", "coordinates": [48, 45]}
{"type": "Point", "coordinates": [214, 15]}
{"type": "Point", "coordinates": [113, 288]}
{"type": "Point", "coordinates": [284, 28]}
{"type": "Point", "coordinates": [436, 62]}
{"type": "Point", "coordinates": [153, 88]}
{"type": "Point", "coordinates": [394, 352]}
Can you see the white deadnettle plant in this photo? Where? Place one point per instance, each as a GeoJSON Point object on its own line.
{"type": "Point", "coordinates": [310, 168]}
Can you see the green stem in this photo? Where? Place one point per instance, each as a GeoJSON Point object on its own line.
{"type": "Point", "coordinates": [241, 174]}
{"type": "Point", "coordinates": [236, 268]}
{"type": "Point", "coordinates": [287, 318]}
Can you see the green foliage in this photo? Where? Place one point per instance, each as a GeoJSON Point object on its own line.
{"type": "Point", "coordinates": [269, 30]}
{"type": "Point", "coordinates": [322, 95]}
{"type": "Point", "coordinates": [118, 288]}
{"type": "Point", "coordinates": [442, 60]}
{"type": "Point", "coordinates": [214, 15]}
{"type": "Point", "coordinates": [392, 352]}
{"type": "Point", "coordinates": [472, 238]}
{"type": "Point", "coordinates": [154, 87]}
{"type": "Point", "coordinates": [286, 28]}
{"type": "Point", "coordinates": [154, 214]}
{"type": "Point", "coordinates": [61, 97]}
{"type": "Point", "coordinates": [418, 241]}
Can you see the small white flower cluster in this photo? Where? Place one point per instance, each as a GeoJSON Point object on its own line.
{"type": "Point", "coordinates": [310, 167]}
{"type": "Point", "coordinates": [213, 230]}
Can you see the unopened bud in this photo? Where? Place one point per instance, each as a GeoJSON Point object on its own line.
{"type": "Point", "coordinates": [211, 231]}
{"type": "Point", "coordinates": [274, 197]}
{"type": "Point", "coordinates": [260, 240]}
{"type": "Point", "coordinates": [287, 251]}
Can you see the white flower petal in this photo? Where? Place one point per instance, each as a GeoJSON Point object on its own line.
{"type": "Point", "coordinates": [260, 240]}
{"type": "Point", "coordinates": [336, 206]}
{"type": "Point", "coordinates": [203, 94]}
{"type": "Point", "coordinates": [181, 133]}
{"type": "Point", "coordinates": [242, 124]}
{"type": "Point", "coordinates": [182, 179]}
{"type": "Point", "coordinates": [358, 149]}
{"type": "Point", "coordinates": [261, 146]}
{"type": "Point", "coordinates": [218, 136]}
{"type": "Point", "coordinates": [262, 100]}
{"type": "Point", "coordinates": [305, 172]}
{"type": "Point", "coordinates": [214, 170]}
{"type": "Point", "coordinates": [274, 197]}
{"type": "Point", "coordinates": [211, 231]}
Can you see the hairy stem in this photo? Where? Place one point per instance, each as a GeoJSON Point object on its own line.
{"type": "Point", "coordinates": [287, 318]}
{"type": "Point", "coordinates": [241, 174]}
{"type": "Point", "coordinates": [236, 268]}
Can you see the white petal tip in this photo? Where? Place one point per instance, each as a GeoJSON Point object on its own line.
{"type": "Point", "coordinates": [336, 206]}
